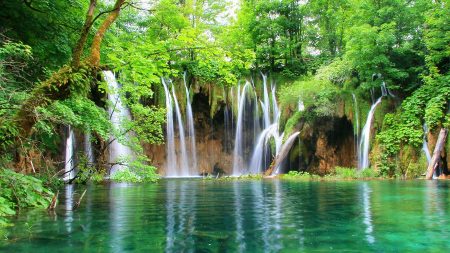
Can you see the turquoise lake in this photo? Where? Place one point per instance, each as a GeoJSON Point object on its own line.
{"type": "Point", "coordinates": [195, 215]}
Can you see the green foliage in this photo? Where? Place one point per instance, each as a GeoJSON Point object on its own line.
{"type": "Point", "coordinates": [346, 173]}
{"type": "Point", "coordinates": [292, 122]}
{"type": "Point", "coordinates": [141, 175]}
{"type": "Point", "coordinates": [352, 173]}
{"type": "Point", "coordinates": [302, 176]}
{"type": "Point", "coordinates": [340, 173]}
{"type": "Point", "coordinates": [337, 72]}
{"type": "Point", "coordinates": [78, 112]}
{"type": "Point", "coordinates": [87, 171]}
{"type": "Point", "coordinates": [397, 133]}
{"type": "Point", "coordinates": [20, 191]}
{"type": "Point", "coordinates": [318, 96]}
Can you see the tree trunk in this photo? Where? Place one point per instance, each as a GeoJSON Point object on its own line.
{"type": "Point", "coordinates": [437, 153]}
{"type": "Point", "coordinates": [285, 148]}
{"type": "Point", "coordinates": [57, 87]}
{"type": "Point", "coordinates": [78, 50]}
{"type": "Point", "coordinates": [94, 58]}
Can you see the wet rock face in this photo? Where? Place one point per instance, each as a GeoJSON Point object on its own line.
{"type": "Point", "coordinates": [324, 144]}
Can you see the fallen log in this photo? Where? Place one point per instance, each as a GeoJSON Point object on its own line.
{"type": "Point", "coordinates": [437, 153]}
{"type": "Point", "coordinates": [285, 148]}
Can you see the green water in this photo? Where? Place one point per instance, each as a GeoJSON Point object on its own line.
{"type": "Point", "coordinates": [242, 216]}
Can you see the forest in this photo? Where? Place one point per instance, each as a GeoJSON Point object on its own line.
{"type": "Point", "coordinates": [112, 90]}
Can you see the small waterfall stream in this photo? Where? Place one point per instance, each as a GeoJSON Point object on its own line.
{"type": "Point", "coordinates": [182, 163]}
{"type": "Point", "coordinates": [238, 164]}
{"type": "Point", "coordinates": [69, 165]}
{"type": "Point", "coordinates": [88, 151]}
{"type": "Point", "coordinates": [171, 161]}
{"type": "Point", "coordinates": [425, 143]}
{"type": "Point", "coordinates": [119, 153]}
{"type": "Point", "coordinates": [364, 144]}
{"type": "Point", "coordinates": [190, 125]}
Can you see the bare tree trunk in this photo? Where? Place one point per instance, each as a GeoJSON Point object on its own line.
{"type": "Point", "coordinates": [78, 50]}
{"type": "Point", "coordinates": [94, 58]}
{"type": "Point", "coordinates": [285, 148]}
{"type": "Point", "coordinates": [437, 153]}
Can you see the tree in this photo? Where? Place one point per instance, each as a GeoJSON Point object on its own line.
{"type": "Point", "coordinates": [69, 79]}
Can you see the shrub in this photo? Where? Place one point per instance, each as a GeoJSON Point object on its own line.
{"type": "Point", "coordinates": [143, 174]}
{"type": "Point", "coordinates": [346, 173]}
{"type": "Point", "coordinates": [20, 191]}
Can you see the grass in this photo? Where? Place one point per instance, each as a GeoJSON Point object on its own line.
{"type": "Point", "coordinates": [340, 173]}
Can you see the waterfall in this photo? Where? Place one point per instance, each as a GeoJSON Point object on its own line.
{"type": "Point", "coordinates": [275, 109]}
{"type": "Point", "coordinates": [364, 144]}
{"type": "Point", "coordinates": [259, 151]}
{"type": "Point", "coordinates": [283, 152]}
{"type": "Point", "coordinates": [425, 149]}
{"type": "Point", "coordinates": [190, 126]}
{"type": "Point", "coordinates": [88, 151]}
{"type": "Point", "coordinates": [183, 162]}
{"type": "Point", "coordinates": [260, 147]}
{"type": "Point", "coordinates": [266, 104]}
{"type": "Point", "coordinates": [301, 105]}
{"type": "Point", "coordinates": [425, 143]}
{"type": "Point", "coordinates": [118, 152]}
{"type": "Point", "coordinates": [69, 165]}
{"type": "Point", "coordinates": [238, 140]}
{"type": "Point", "coordinates": [171, 161]}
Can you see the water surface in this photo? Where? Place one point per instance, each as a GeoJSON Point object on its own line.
{"type": "Point", "coordinates": [194, 215]}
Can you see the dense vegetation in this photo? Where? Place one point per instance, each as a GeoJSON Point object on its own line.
{"type": "Point", "coordinates": [320, 51]}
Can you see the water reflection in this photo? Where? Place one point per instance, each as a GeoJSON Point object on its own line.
{"type": "Point", "coordinates": [366, 191]}
{"type": "Point", "coordinates": [181, 216]}
{"type": "Point", "coordinates": [120, 216]}
{"type": "Point", "coordinates": [242, 216]}
{"type": "Point", "coordinates": [68, 204]}
{"type": "Point", "coordinates": [240, 235]}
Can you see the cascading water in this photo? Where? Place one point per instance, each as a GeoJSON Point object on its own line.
{"type": "Point", "coordinates": [171, 161]}
{"type": "Point", "coordinates": [190, 126]}
{"type": "Point", "coordinates": [266, 103]}
{"type": "Point", "coordinates": [184, 164]}
{"type": "Point", "coordinates": [88, 151]}
{"type": "Point", "coordinates": [260, 147]}
{"type": "Point", "coordinates": [425, 143]}
{"type": "Point", "coordinates": [238, 164]}
{"type": "Point", "coordinates": [364, 144]}
{"type": "Point", "coordinates": [119, 154]}
{"type": "Point", "coordinates": [69, 165]}
{"type": "Point", "coordinates": [283, 151]}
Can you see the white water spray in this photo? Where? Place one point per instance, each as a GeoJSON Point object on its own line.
{"type": "Point", "coordinates": [183, 161]}
{"type": "Point", "coordinates": [69, 165]}
{"type": "Point", "coordinates": [364, 144]}
{"type": "Point", "coordinates": [190, 126]}
{"type": "Point", "coordinates": [119, 154]}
